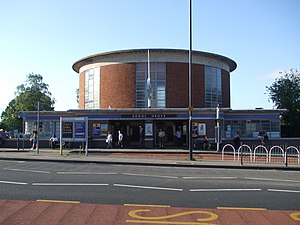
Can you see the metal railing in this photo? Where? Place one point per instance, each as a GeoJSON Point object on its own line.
{"type": "Point", "coordinates": [262, 154]}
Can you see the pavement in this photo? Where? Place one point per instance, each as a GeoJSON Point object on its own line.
{"type": "Point", "coordinates": [152, 157]}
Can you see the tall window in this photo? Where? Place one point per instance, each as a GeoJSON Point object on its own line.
{"type": "Point", "coordinates": [213, 87]}
{"type": "Point", "coordinates": [92, 88]}
{"type": "Point", "coordinates": [158, 85]}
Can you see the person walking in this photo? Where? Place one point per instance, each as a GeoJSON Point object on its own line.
{"type": "Point", "coordinates": [109, 140]}
{"type": "Point", "coordinates": [206, 144]}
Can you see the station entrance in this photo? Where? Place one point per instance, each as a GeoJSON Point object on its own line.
{"type": "Point", "coordinates": [132, 131]}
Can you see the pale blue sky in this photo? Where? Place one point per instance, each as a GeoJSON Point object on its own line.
{"type": "Point", "coordinates": [46, 37]}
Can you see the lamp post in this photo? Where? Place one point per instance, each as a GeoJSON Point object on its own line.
{"type": "Point", "coordinates": [38, 128]}
{"type": "Point", "coordinates": [190, 89]}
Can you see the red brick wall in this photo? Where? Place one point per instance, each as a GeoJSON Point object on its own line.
{"type": "Point", "coordinates": [117, 86]}
{"type": "Point", "coordinates": [178, 89]}
{"type": "Point", "coordinates": [177, 85]}
{"type": "Point", "coordinates": [225, 89]}
{"type": "Point", "coordinates": [198, 86]}
{"type": "Point", "coordinates": [81, 90]}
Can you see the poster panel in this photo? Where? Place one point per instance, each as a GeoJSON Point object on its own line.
{"type": "Point", "coordinates": [79, 129]}
{"type": "Point", "coordinates": [96, 129]}
{"type": "Point", "coordinates": [202, 129]}
{"type": "Point", "coordinates": [67, 129]}
{"type": "Point", "coordinates": [148, 129]}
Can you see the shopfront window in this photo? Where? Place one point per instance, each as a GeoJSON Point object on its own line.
{"type": "Point", "coordinates": [251, 128]}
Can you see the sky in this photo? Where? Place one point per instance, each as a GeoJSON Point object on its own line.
{"type": "Point", "coordinates": [47, 37]}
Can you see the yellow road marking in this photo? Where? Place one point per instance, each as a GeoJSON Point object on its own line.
{"type": "Point", "coordinates": [55, 201]}
{"type": "Point", "coordinates": [168, 222]}
{"type": "Point", "coordinates": [133, 214]}
{"type": "Point", "coordinates": [140, 205]}
{"type": "Point", "coordinates": [237, 208]}
{"type": "Point", "coordinates": [295, 216]}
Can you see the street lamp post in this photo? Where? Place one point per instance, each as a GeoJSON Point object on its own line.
{"type": "Point", "coordinates": [190, 88]}
{"type": "Point", "coordinates": [38, 128]}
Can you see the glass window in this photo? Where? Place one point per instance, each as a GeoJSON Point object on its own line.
{"type": "Point", "coordinates": [92, 88]}
{"type": "Point", "coordinates": [213, 87]}
{"type": "Point", "coordinates": [157, 85]}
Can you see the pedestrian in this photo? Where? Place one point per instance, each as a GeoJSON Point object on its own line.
{"type": "Point", "coordinates": [161, 136]}
{"type": "Point", "coordinates": [237, 140]}
{"type": "Point", "coordinates": [178, 137]}
{"type": "Point", "coordinates": [53, 141]}
{"type": "Point", "coordinates": [206, 144]}
{"type": "Point", "coordinates": [109, 140]}
{"type": "Point", "coordinates": [2, 136]}
{"type": "Point", "coordinates": [34, 140]}
{"type": "Point", "coordinates": [261, 138]}
{"type": "Point", "coordinates": [120, 139]}
{"type": "Point", "coordinates": [141, 137]}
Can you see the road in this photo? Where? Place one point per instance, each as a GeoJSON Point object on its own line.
{"type": "Point", "coordinates": [151, 185]}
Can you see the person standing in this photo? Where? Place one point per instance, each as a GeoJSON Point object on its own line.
{"type": "Point", "coordinates": [142, 137]}
{"type": "Point", "coordinates": [120, 139]}
{"type": "Point", "coordinates": [161, 136]}
{"type": "Point", "coordinates": [34, 140]}
{"type": "Point", "coordinates": [178, 137]}
{"type": "Point", "coordinates": [237, 140]}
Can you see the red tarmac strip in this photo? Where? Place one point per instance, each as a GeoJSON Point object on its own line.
{"type": "Point", "coordinates": [61, 212]}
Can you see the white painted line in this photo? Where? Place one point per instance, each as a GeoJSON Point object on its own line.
{"type": "Point", "coordinates": [276, 180]}
{"type": "Point", "coordinates": [57, 201]}
{"type": "Point", "coordinates": [141, 205]}
{"type": "Point", "coordinates": [136, 166]}
{"type": "Point", "coordinates": [68, 184]}
{"type": "Point", "coordinates": [148, 175]}
{"type": "Point", "coordinates": [210, 178]}
{"type": "Point", "coordinates": [85, 173]}
{"type": "Point", "coordinates": [12, 182]}
{"type": "Point", "coordinates": [286, 191]}
{"type": "Point", "coordinates": [22, 170]}
{"type": "Point", "coordinates": [224, 189]}
{"type": "Point", "coordinates": [240, 208]}
{"type": "Point", "coordinates": [12, 161]}
{"type": "Point", "coordinates": [147, 187]}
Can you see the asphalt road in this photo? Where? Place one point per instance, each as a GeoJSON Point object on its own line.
{"type": "Point", "coordinates": [151, 185]}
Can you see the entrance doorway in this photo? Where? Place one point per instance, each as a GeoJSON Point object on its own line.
{"type": "Point", "coordinates": [170, 128]}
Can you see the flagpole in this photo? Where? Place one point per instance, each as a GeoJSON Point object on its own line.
{"type": "Point", "coordinates": [149, 82]}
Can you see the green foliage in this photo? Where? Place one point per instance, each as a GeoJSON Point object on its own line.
{"type": "Point", "coordinates": [285, 94]}
{"type": "Point", "coordinates": [27, 96]}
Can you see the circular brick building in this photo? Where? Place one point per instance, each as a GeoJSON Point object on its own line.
{"type": "Point", "coordinates": [121, 79]}
{"type": "Point", "coordinates": [144, 93]}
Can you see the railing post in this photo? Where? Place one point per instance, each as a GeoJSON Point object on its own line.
{"type": "Point", "coordinates": [286, 157]}
{"type": "Point", "coordinates": [241, 155]}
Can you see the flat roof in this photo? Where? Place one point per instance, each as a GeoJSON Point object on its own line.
{"type": "Point", "coordinates": [93, 58]}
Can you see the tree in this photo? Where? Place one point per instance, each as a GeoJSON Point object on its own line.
{"type": "Point", "coordinates": [26, 98]}
{"type": "Point", "coordinates": [285, 94]}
